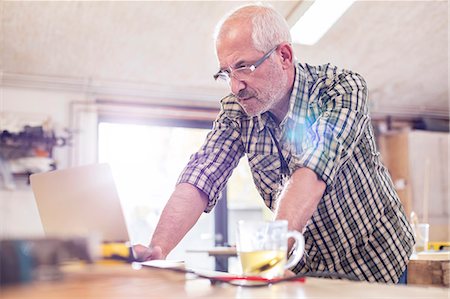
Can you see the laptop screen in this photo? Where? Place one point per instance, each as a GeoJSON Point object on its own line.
{"type": "Point", "coordinates": [80, 201]}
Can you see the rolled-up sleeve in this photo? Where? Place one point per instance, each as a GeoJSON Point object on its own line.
{"type": "Point", "coordinates": [210, 168]}
{"type": "Point", "coordinates": [331, 139]}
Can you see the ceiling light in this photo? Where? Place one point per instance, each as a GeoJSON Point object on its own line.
{"type": "Point", "coordinates": [317, 20]}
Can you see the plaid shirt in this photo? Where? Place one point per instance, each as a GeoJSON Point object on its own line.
{"type": "Point", "coordinates": [359, 226]}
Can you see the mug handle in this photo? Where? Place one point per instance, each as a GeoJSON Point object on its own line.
{"type": "Point", "coordinates": [298, 249]}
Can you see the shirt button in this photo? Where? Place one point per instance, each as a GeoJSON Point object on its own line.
{"type": "Point", "coordinates": [326, 114]}
{"type": "Point", "coordinates": [328, 81]}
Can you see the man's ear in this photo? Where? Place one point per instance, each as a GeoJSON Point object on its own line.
{"type": "Point", "coordinates": [286, 54]}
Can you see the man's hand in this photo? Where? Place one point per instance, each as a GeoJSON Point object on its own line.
{"type": "Point", "coordinates": [288, 273]}
{"type": "Point", "coordinates": [143, 253]}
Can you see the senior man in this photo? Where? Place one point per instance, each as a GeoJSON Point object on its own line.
{"type": "Point", "coordinates": [307, 135]}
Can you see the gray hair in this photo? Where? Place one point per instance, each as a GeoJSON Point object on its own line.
{"type": "Point", "coordinates": [269, 27]}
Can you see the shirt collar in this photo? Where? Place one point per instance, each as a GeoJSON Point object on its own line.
{"type": "Point", "coordinates": [299, 96]}
{"type": "Point", "coordinates": [265, 120]}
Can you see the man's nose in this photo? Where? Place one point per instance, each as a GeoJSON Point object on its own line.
{"type": "Point", "coordinates": [236, 85]}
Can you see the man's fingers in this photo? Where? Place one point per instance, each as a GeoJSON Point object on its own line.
{"type": "Point", "coordinates": [143, 253]}
{"type": "Point", "coordinates": [157, 253]}
{"type": "Point", "coordinates": [288, 273]}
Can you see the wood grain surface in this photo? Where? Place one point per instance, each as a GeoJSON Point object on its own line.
{"type": "Point", "coordinates": [121, 281]}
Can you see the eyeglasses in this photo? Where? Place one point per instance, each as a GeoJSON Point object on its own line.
{"type": "Point", "coordinates": [227, 73]}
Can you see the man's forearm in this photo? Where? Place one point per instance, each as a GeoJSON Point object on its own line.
{"type": "Point", "coordinates": [180, 214]}
{"type": "Point", "coordinates": [299, 198]}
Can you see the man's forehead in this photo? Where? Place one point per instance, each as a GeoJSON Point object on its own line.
{"type": "Point", "coordinates": [230, 56]}
{"type": "Point", "coordinates": [234, 42]}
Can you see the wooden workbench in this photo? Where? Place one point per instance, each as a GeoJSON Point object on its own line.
{"type": "Point", "coordinates": [430, 268]}
{"type": "Point", "coordinates": [121, 281]}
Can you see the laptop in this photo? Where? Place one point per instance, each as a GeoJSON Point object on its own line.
{"type": "Point", "coordinates": [80, 201]}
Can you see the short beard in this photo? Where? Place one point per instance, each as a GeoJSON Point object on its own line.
{"type": "Point", "coordinates": [275, 91]}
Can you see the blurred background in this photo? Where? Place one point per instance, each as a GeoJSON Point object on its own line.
{"type": "Point", "coordinates": [130, 83]}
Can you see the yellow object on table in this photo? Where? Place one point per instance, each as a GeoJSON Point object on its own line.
{"type": "Point", "coordinates": [119, 251]}
{"type": "Point", "coordinates": [439, 245]}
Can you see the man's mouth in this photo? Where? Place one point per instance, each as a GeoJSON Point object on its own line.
{"type": "Point", "coordinates": [245, 99]}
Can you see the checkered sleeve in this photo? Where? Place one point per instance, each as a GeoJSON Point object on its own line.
{"type": "Point", "coordinates": [210, 167]}
{"type": "Point", "coordinates": [330, 140]}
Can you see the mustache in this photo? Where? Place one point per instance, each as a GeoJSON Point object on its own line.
{"type": "Point", "coordinates": [245, 94]}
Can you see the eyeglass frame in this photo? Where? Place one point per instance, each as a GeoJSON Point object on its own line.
{"type": "Point", "coordinates": [226, 74]}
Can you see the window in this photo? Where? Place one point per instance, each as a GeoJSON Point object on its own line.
{"type": "Point", "coordinates": [146, 161]}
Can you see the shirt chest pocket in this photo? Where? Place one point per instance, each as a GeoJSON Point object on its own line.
{"type": "Point", "coordinates": [266, 171]}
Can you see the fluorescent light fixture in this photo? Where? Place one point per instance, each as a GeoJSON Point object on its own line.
{"type": "Point", "coordinates": [317, 20]}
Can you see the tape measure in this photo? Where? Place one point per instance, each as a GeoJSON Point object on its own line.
{"type": "Point", "coordinates": [439, 245]}
{"type": "Point", "coordinates": [117, 251]}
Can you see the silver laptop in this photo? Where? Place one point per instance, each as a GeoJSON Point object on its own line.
{"type": "Point", "coordinates": [80, 201]}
